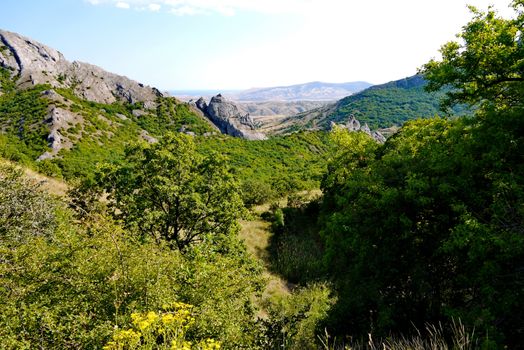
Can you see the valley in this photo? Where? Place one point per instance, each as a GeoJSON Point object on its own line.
{"type": "Point", "coordinates": [310, 216]}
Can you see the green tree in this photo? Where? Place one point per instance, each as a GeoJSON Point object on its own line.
{"type": "Point", "coordinates": [487, 65]}
{"type": "Point", "coordinates": [170, 191]}
{"type": "Point", "coordinates": [429, 225]}
{"type": "Point", "coordinates": [65, 284]}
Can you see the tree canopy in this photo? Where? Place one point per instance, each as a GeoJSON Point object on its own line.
{"type": "Point", "coordinates": [487, 65]}
{"type": "Point", "coordinates": [430, 225]}
{"type": "Point", "coordinates": [168, 190]}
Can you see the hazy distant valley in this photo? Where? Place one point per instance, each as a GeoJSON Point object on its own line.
{"type": "Point", "coordinates": [270, 105]}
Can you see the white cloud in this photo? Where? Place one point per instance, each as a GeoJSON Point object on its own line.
{"type": "Point", "coordinates": [122, 5]}
{"type": "Point", "coordinates": [231, 7]}
{"type": "Point", "coordinates": [224, 7]}
{"type": "Point", "coordinates": [184, 10]}
{"type": "Point", "coordinates": [154, 7]}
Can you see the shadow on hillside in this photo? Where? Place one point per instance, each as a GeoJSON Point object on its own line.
{"type": "Point", "coordinates": [295, 249]}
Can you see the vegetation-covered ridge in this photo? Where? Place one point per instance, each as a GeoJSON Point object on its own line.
{"type": "Point", "coordinates": [91, 134]}
{"type": "Point", "coordinates": [80, 133]}
{"type": "Point", "coordinates": [380, 106]}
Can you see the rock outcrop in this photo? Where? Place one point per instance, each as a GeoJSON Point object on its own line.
{"type": "Point", "coordinates": [354, 125]}
{"type": "Point", "coordinates": [34, 63]}
{"type": "Point", "coordinates": [228, 118]}
{"type": "Point", "coordinates": [58, 121]}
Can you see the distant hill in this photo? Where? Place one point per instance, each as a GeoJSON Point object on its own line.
{"type": "Point", "coordinates": [380, 106]}
{"type": "Point", "coordinates": [314, 91]}
{"type": "Point", "coordinates": [279, 108]}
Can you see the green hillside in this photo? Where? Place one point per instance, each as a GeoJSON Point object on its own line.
{"type": "Point", "coordinates": [392, 103]}
{"type": "Point", "coordinates": [98, 132]}
{"type": "Point", "coordinates": [380, 106]}
{"type": "Point", "coordinates": [276, 166]}
{"type": "Point", "coordinates": [412, 243]}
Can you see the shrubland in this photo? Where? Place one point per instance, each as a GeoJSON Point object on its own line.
{"type": "Point", "coordinates": [428, 228]}
{"type": "Point", "coordinates": [424, 229]}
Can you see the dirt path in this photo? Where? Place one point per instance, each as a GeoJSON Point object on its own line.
{"type": "Point", "coordinates": [256, 233]}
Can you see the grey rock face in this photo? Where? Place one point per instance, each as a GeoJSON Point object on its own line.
{"type": "Point", "coordinates": [377, 135]}
{"type": "Point", "coordinates": [58, 119]}
{"type": "Point", "coordinates": [34, 63]}
{"type": "Point", "coordinates": [366, 129]}
{"type": "Point", "coordinates": [228, 118]}
{"type": "Point", "coordinates": [354, 125]}
{"type": "Point", "coordinates": [201, 104]}
{"type": "Point", "coordinates": [148, 138]}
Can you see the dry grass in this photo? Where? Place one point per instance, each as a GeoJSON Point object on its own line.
{"type": "Point", "coordinates": [431, 339]}
{"type": "Point", "coordinates": [256, 234]}
{"type": "Point", "coordinates": [51, 185]}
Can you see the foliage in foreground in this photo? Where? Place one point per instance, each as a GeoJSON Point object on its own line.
{"type": "Point", "coordinates": [163, 330]}
{"type": "Point", "coordinates": [67, 288]}
{"type": "Point", "coordinates": [430, 225]}
{"type": "Point", "coordinates": [427, 227]}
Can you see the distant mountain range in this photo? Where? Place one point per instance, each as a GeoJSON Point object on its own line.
{"type": "Point", "coordinates": [380, 106]}
{"type": "Point", "coordinates": [313, 91]}
{"type": "Point", "coordinates": [280, 101]}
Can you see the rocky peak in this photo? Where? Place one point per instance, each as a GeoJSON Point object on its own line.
{"type": "Point", "coordinates": [34, 63]}
{"type": "Point", "coordinates": [228, 118]}
{"type": "Point", "coordinates": [354, 125]}
{"type": "Point", "coordinates": [201, 104]}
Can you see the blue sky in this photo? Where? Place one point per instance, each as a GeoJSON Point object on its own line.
{"type": "Point", "coordinates": [239, 44]}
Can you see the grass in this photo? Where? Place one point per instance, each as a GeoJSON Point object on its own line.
{"type": "Point", "coordinates": [258, 237]}
{"type": "Point", "coordinates": [256, 234]}
{"type": "Point", "coordinates": [48, 184]}
{"type": "Point", "coordinates": [432, 338]}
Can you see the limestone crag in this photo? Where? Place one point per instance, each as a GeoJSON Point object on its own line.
{"type": "Point", "coordinates": [59, 120]}
{"type": "Point", "coordinates": [34, 63]}
{"type": "Point", "coordinates": [354, 125]}
{"type": "Point", "coordinates": [228, 118]}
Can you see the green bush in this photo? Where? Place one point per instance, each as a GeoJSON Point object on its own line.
{"type": "Point", "coordinates": [65, 283]}
{"type": "Point", "coordinates": [25, 212]}
{"type": "Point", "coordinates": [295, 320]}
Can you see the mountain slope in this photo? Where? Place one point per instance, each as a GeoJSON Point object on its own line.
{"type": "Point", "coordinates": [379, 106]}
{"type": "Point", "coordinates": [64, 117]}
{"type": "Point", "coordinates": [33, 63]}
{"type": "Point", "coordinates": [62, 113]}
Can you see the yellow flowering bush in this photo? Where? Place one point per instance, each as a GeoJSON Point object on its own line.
{"type": "Point", "coordinates": [163, 330]}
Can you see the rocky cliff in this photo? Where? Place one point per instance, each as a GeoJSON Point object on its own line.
{"type": "Point", "coordinates": [228, 118]}
{"type": "Point", "coordinates": [33, 63]}
{"type": "Point", "coordinates": [354, 125]}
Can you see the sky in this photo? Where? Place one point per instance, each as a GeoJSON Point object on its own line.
{"type": "Point", "coordinates": [240, 44]}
